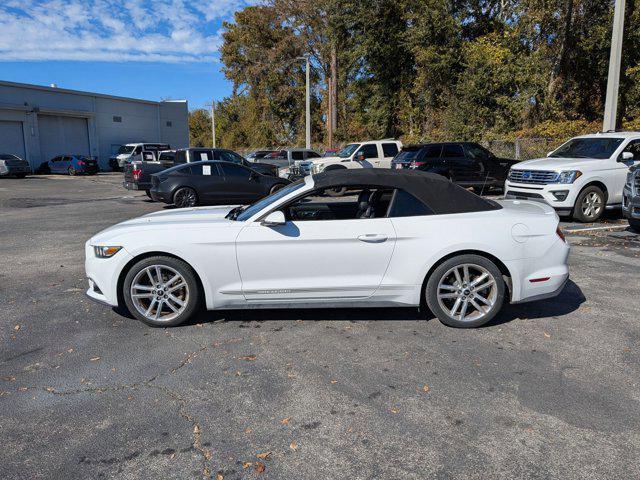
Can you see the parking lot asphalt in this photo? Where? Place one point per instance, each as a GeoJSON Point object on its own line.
{"type": "Point", "coordinates": [548, 390]}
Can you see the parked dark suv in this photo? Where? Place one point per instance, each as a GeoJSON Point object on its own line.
{"type": "Point", "coordinates": [466, 163]}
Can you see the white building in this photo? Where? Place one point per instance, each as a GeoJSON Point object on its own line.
{"type": "Point", "coordinates": [38, 123]}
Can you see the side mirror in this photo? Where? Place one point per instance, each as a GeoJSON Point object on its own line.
{"type": "Point", "coordinates": [626, 157]}
{"type": "Point", "coordinates": [274, 219]}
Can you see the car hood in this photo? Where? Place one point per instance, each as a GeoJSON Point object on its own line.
{"type": "Point", "coordinates": [179, 218]}
{"type": "Point", "coordinates": [557, 164]}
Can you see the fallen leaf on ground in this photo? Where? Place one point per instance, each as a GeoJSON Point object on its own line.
{"type": "Point", "coordinates": [94, 359]}
{"type": "Point", "coordinates": [49, 389]}
{"type": "Point", "coordinates": [285, 421]}
{"type": "Point", "coordinates": [249, 358]}
{"type": "Point", "coordinates": [70, 350]}
{"type": "Point", "coordinates": [426, 388]}
{"type": "Point", "coordinates": [196, 429]}
{"type": "Point", "coordinates": [546, 335]}
{"type": "Point", "coordinates": [395, 410]}
{"type": "Point", "coordinates": [293, 446]}
{"type": "Point", "coordinates": [208, 455]}
{"type": "Point", "coordinates": [263, 455]}
{"type": "Point", "coordinates": [248, 430]}
{"type": "Point", "coordinates": [16, 328]}
{"type": "Point", "coordinates": [219, 476]}
{"type": "Point", "coordinates": [334, 381]}
{"type": "Point", "coordinates": [246, 465]}
{"type": "Point", "coordinates": [23, 389]}
{"type": "Point", "coordinates": [259, 466]}
{"type": "Point", "coordinates": [10, 378]}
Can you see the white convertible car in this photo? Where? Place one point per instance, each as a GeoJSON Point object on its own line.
{"type": "Point", "coordinates": [396, 238]}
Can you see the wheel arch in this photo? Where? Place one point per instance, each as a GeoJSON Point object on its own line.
{"type": "Point", "coordinates": [499, 263]}
{"type": "Point", "coordinates": [596, 183]}
{"type": "Point", "coordinates": [335, 166]}
{"type": "Point", "coordinates": [142, 256]}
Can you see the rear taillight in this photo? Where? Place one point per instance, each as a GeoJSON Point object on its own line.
{"type": "Point", "coordinates": [560, 234]}
{"type": "Point", "coordinates": [136, 173]}
{"type": "Point", "coordinates": [81, 163]}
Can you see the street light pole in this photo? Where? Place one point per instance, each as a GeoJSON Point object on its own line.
{"type": "Point", "coordinates": [615, 59]}
{"type": "Point", "coordinates": [307, 102]}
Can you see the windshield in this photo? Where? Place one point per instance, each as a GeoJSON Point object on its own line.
{"type": "Point", "coordinates": [587, 148]}
{"type": "Point", "coordinates": [243, 214]}
{"type": "Point", "coordinates": [347, 151]}
{"type": "Point", "coordinates": [126, 149]}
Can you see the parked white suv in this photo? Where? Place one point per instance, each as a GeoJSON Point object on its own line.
{"type": "Point", "coordinates": [582, 177]}
{"type": "Point", "coordinates": [370, 154]}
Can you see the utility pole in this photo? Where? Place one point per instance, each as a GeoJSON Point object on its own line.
{"type": "Point", "coordinates": [615, 59]}
{"type": "Point", "coordinates": [307, 101]}
{"type": "Point", "coordinates": [213, 121]}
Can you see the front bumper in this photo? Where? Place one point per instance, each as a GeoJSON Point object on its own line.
{"type": "Point", "coordinates": [102, 275]}
{"type": "Point", "coordinates": [630, 204]}
{"type": "Point", "coordinates": [561, 197]}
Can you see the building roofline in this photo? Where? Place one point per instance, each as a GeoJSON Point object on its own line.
{"type": "Point", "coordinates": [5, 83]}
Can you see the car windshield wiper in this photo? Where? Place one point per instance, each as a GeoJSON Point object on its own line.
{"type": "Point", "coordinates": [234, 212]}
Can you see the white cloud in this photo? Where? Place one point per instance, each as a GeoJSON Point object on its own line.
{"type": "Point", "coordinates": [168, 31]}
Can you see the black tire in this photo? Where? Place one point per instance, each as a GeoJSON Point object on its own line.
{"type": "Point", "coordinates": [581, 208]}
{"type": "Point", "coordinates": [148, 193]}
{"type": "Point", "coordinates": [193, 297]}
{"type": "Point", "coordinates": [21, 175]}
{"type": "Point", "coordinates": [465, 294]}
{"type": "Point", "coordinates": [72, 171]}
{"type": "Point", "coordinates": [185, 197]}
{"type": "Point", "coordinates": [276, 187]}
{"type": "Point", "coordinates": [634, 224]}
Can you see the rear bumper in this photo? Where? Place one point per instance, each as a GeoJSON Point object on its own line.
{"type": "Point", "coordinates": [137, 186]}
{"type": "Point", "coordinates": [540, 277]}
{"type": "Point", "coordinates": [158, 196]}
{"type": "Point", "coordinates": [14, 170]}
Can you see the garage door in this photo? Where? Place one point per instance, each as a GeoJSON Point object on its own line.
{"type": "Point", "coordinates": [12, 138]}
{"type": "Point", "coordinates": [62, 136]}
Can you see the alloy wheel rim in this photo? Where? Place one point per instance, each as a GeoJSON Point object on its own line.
{"type": "Point", "coordinates": [186, 198]}
{"type": "Point", "coordinates": [467, 292]}
{"type": "Point", "coordinates": [591, 205]}
{"type": "Point", "coordinates": [159, 293]}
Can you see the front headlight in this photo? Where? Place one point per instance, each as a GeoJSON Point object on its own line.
{"type": "Point", "coordinates": [105, 252]}
{"type": "Point", "coordinates": [568, 176]}
{"type": "Point", "coordinates": [629, 179]}
{"type": "Point", "coordinates": [2, 163]}
{"type": "Point", "coordinates": [317, 167]}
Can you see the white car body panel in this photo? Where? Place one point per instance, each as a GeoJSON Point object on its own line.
{"type": "Point", "coordinates": [363, 262]}
{"type": "Point", "coordinates": [382, 161]}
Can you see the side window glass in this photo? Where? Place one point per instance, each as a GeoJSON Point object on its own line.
{"type": "Point", "coordinates": [313, 155]}
{"type": "Point", "coordinates": [452, 151]}
{"type": "Point", "coordinates": [432, 151]}
{"type": "Point", "coordinates": [180, 157]}
{"type": "Point", "coordinates": [390, 149]}
{"type": "Point", "coordinates": [406, 205]}
{"type": "Point", "coordinates": [235, 171]}
{"type": "Point", "coordinates": [137, 150]}
{"type": "Point", "coordinates": [370, 151]}
{"type": "Point", "coordinates": [297, 155]}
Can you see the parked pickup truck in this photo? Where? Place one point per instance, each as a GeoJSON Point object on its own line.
{"type": "Point", "coordinates": [137, 175]}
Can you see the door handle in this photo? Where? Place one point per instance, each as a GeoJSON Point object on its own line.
{"type": "Point", "coordinates": [373, 238]}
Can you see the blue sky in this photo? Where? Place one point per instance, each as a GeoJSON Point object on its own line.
{"type": "Point", "coordinates": [135, 48]}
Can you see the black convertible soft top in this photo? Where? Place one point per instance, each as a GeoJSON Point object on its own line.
{"type": "Point", "coordinates": [435, 191]}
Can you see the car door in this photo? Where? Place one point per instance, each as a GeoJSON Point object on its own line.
{"type": "Point", "coordinates": [206, 178]}
{"type": "Point", "coordinates": [389, 150]}
{"type": "Point", "coordinates": [370, 154]}
{"type": "Point", "coordinates": [241, 184]}
{"type": "Point", "coordinates": [314, 259]}
{"type": "Point", "coordinates": [622, 168]}
{"type": "Point", "coordinates": [488, 170]}
{"type": "Point", "coordinates": [462, 170]}
{"type": "Point", "coordinates": [54, 164]}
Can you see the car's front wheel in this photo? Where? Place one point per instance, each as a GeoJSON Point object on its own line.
{"type": "Point", "coordinates": [185, 197]}
{"type": "Point", "coordinates": [72, 171]}
{"type": "Point", "coordinates": [161, 291]}
{"type": "Point", "coordinates": [589, 205]}
{"type": "Point", "coordinates": [465, 291]}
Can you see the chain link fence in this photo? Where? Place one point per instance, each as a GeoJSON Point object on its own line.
{"type": "Point", "coordinates": [518, 149]}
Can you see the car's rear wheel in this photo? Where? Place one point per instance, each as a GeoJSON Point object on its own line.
{"type": "Point", "coordinates": [148, 193]}
{"type": "Point", "coordinates": [589, 205]}
{"type": "Point", "coordinates": [161, 291]}
{"type": "Point", "coordinates": [72, 171]}
{"type": "Point", "coordinates": [465, 291]}
{"type": "Point", "coordinates": [634, 224]}
{"type": "Point", "coordinates": [185, 197]}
